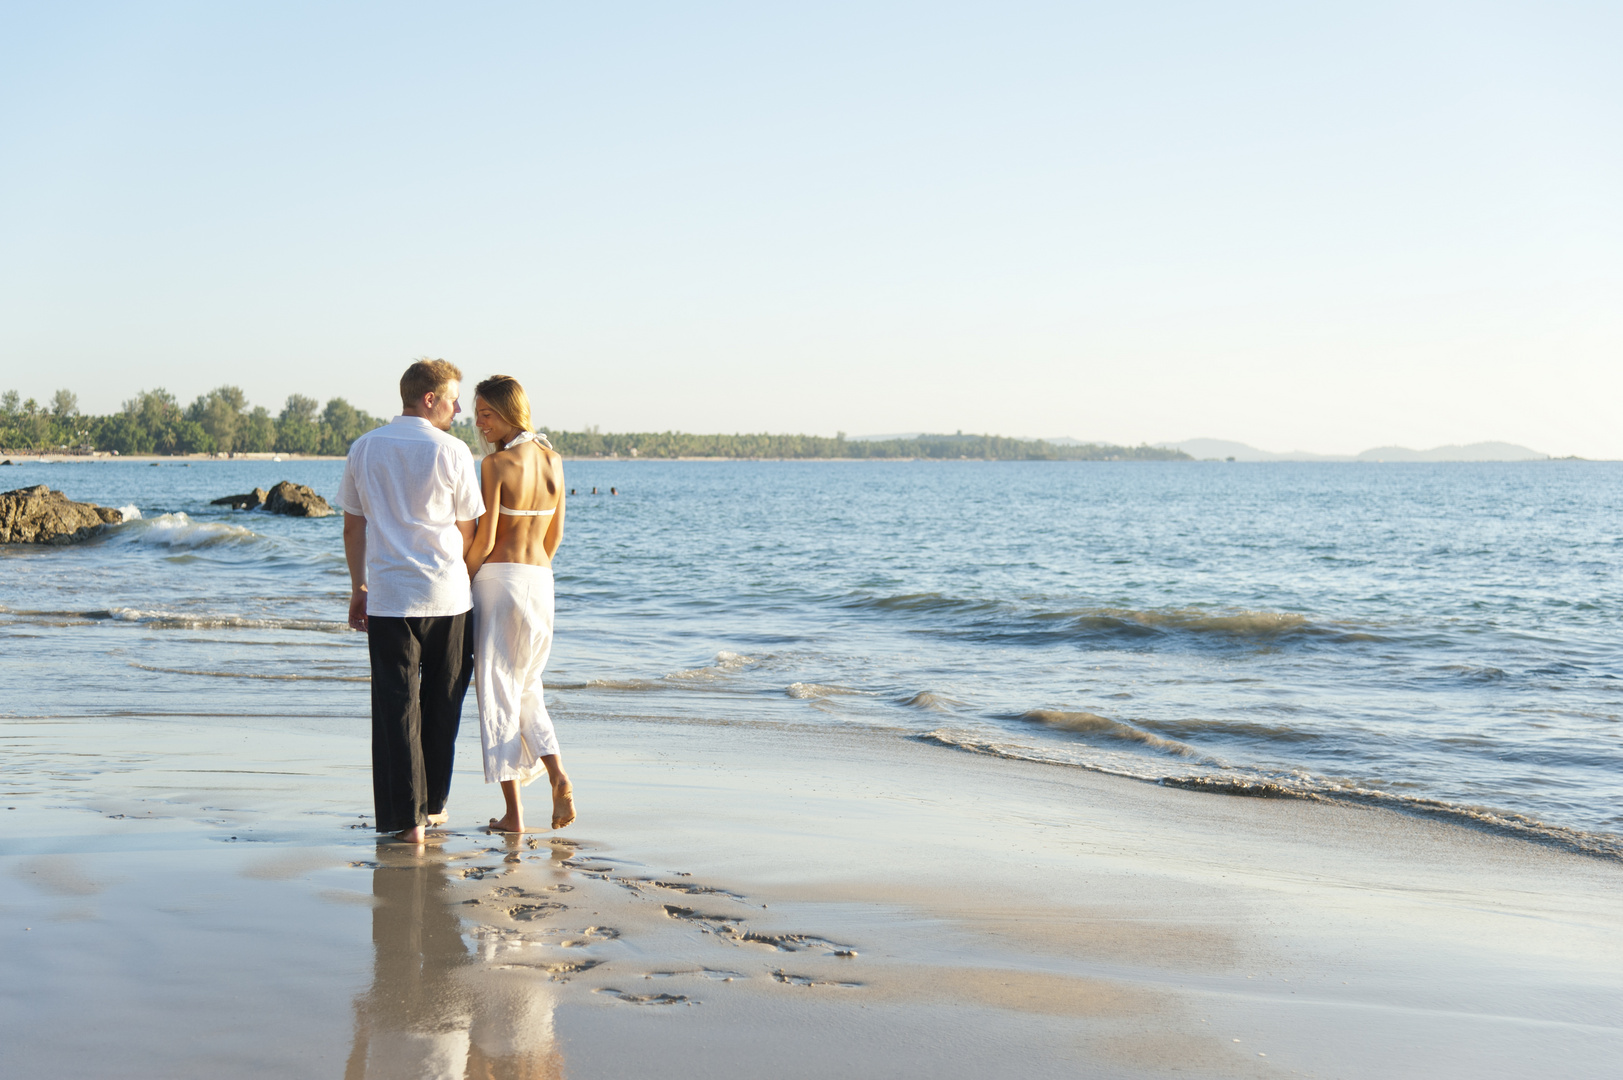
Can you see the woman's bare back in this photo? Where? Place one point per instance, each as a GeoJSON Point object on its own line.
{"type": "Point", "coordinates": [527, 477]}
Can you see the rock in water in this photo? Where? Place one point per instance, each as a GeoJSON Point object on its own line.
{"type": "Point", "coordinates": [296, 500]}
{"type": "Point", "coordinates": [251, 501]}
{"type": "Point", "coordinates": [38, 515]}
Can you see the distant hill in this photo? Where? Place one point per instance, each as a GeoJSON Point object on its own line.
{"type": "Point", "coordinates": [1481, 451]}
{"type": "Point", "coordinates": [1221, 449]}
{"type": "Point", "coordinates": [1207, 449]}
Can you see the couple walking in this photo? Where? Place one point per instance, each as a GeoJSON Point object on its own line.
{"type": "Point", "coordinates": [451, 579]}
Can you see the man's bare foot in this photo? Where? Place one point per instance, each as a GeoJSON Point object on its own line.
{"type": "Point", "coordinates": [563, 803]}
{"type": "Point", "coordinates": [507, 823]}
{"type": "Point", "coordinates": [414, 835]}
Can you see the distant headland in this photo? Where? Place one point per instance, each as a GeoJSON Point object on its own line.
{"type": "Point", "coordinates": [1223, 449]}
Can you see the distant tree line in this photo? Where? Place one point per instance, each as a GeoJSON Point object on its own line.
{"type": "Point", "coordinates": [221, 421]}
{"type": "Point", "coordinates": [153, 422]}
{"type": "Point", "coordinates": [676, 444]}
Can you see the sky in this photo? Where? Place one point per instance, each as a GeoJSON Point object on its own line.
{"type": "Point", "coordinates": [1301, 226]}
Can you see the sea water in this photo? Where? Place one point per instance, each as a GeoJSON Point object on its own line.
{"type": "Point", "coordinates": [1443, 639]}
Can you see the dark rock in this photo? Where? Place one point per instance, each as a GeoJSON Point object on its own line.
{"type": "Point", "coordinates": [38, 515]}
{"type": "Point", "coordinates": [296, 500]}
{"type": "Point", "coordinates": [251, 501]}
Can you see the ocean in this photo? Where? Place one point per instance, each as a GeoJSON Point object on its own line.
{"type": "Point", "coordinates": [1441, 639]}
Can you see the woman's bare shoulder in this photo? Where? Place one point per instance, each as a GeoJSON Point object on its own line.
{"type": "Point", "coordinates": [502, 461]}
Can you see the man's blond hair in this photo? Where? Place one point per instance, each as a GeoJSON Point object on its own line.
{"type": "Point", "coordinates": [427, 377]}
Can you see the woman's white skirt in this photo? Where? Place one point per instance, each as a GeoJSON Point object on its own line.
{"type": "Point", "coordinates": [512, 637]}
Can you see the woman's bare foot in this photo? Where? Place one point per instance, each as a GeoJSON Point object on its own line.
{"type": "Point", "coordinates": [563, 803]}
{"type": "Point", "coordinates": [414, 835]}
{"type": "Point", "coordinates": [440, 818]}
{"type": "Point", "coordinates": [508, 822]}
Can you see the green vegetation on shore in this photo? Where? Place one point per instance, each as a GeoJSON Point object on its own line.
{"type": "Point", "coordinates": [153, 422]}
{"type": "Point", "coordinates": [221, 422]}
{"type": "Point", "coordinates": [676, 444]}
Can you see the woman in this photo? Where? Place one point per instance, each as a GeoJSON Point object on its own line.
{"type": "Point", "coordinates": [510, 562]}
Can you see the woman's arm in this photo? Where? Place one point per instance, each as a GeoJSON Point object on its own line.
{"type": "Point", "coordinates": [484, 536]}
{"type": "Point", "coordinates": [555, 533]}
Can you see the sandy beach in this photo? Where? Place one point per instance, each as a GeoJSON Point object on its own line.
{"type": "Point", "coordinates": [198, 895]}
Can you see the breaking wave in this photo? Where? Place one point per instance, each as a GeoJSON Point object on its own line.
{"type": "Point", "coordinates": [924, 699]}
{"type": "Point", "coordinates": [172, 620]}
{"type": "Point", "coordinates": [251, 674]}
{"type": "Point", "coordinates": [1102, 727]}
{"type": "Point", "coordinates": [805, 691]}
{"type": "Point", "coordinates": [1004, 620]}
{"type": "Point", "coordinates": [1230, 729]}
{"type": "Point", "coordinates": [723, 666]}
{"type": "Point", "coordinates": [1256, 785]}
{"type": "Point", "coordinates": [176, 530]}
{"type": "Point", "coordinates": [156, 619]}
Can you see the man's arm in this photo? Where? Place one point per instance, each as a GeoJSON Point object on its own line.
{"type": "Point", "coordinates": [355, 556]}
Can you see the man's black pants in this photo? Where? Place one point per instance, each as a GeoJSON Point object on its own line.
{"type": "Point", "coordinates": [420, 671]}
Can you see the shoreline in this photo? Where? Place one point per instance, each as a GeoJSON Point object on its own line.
{"type": "Point", "coordinates": [190, 459]}
{"type": "Point", "coordinates": [101, 457]}
{"type": "Point", "coordinates": [1007, 918]}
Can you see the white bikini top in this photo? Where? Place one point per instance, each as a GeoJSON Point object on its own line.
{"type": "Point", "coordinates": [522, 437]}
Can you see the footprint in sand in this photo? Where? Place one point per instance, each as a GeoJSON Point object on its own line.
{"type": "Point", "coordinates": [731, 929]}
{"type": "Point", "coordinates": [513, 891]}
{"type": "Point", "coordinates": [806, 980]}
{"type": "Point", "coordinates": [722, 925]}
{"type": "Point", "coordinates": [797, 943]}
{"type": "Point", "coordinates": [556, 972]}
{"type": "Point", "coordinates": [531, 912]}
{"type": "Point", "coordinates": [689, 889]}
{"type": "Point", "coordinates": [592, 871]}
{"type": "Point", "coordinates": [646, 999]}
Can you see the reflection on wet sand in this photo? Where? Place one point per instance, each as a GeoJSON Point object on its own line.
{"type": "Point", "coordinates": [434, 1012]}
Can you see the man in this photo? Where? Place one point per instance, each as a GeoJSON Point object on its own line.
{"type": "Point", "coordinates": [411, 500]}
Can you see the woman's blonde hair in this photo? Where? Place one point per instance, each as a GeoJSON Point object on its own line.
{"type": "Point", "coordinates": [504, 394]}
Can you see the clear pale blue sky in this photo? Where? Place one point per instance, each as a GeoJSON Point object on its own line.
{"type": "Point", "coordinates": [1309, 226]}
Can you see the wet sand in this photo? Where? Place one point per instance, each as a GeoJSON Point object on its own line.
{"type": "Point", "coordinates": [200, 896]}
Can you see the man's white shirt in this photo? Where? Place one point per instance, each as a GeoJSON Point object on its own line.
{"type": "Point", "coordinates": [412, 483]}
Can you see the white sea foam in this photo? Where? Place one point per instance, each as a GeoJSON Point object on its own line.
{"type": "Point", "coordinates": [811, 691]}
{"type": "Point", "coordinates": [130, 512]}
{"type": "Point", "coordinates": [176, 530]}
{"type": "Point", "coordinates": [176, 620]}
{"type": "Point", "coordinates": [1115, 762]}
{"type": "Point", "coordinates": [1102, 727]}
{"type": "Point", "coordinates": [1229, 780]}
{"type": "Point", "coordinates": [724, 665]}
{"type": "Point", "coordinates": [252, 674]}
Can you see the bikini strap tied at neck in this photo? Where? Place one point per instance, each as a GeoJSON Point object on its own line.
{"type": "Point", "coordinates": [529, 436]}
